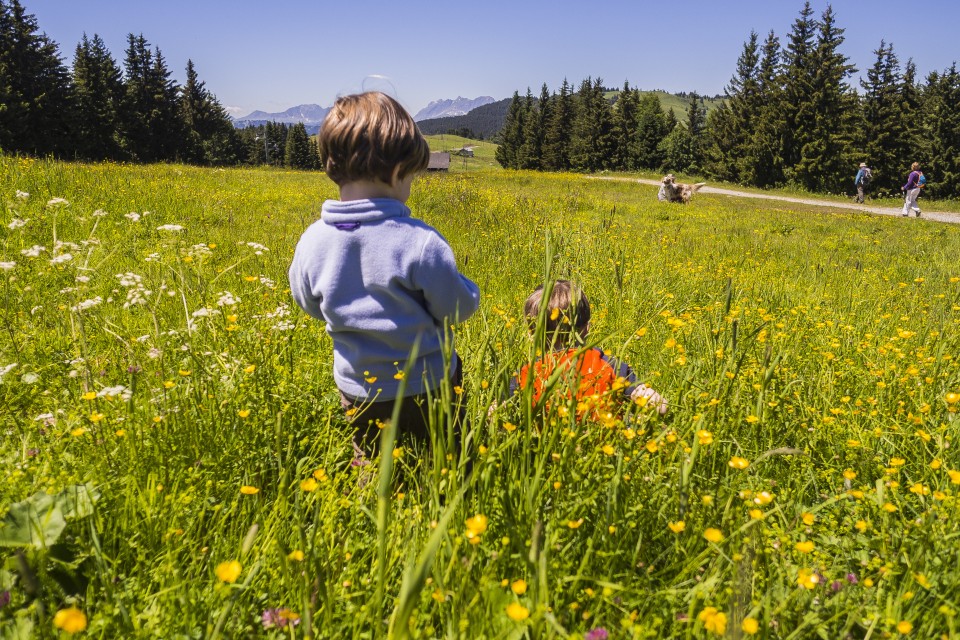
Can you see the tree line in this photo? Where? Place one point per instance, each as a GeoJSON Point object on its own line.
{"type": "Point", "coordinates": [790, 117]}
{"type": "Point", "coordinates": [97, 111]}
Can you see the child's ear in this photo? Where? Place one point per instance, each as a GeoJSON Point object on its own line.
{"type": "Point", "coordinates": [395, 178]}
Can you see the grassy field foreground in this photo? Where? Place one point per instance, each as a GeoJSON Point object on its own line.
{"type": "Point", "coordinates": [177, 467]}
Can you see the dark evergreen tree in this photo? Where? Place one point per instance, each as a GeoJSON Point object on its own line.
{"type": "Point", "coordinates": [99, 92]}
{"type": "Point", "coordinates": [209, 136]}
{"type": "Point", "coordinates": [626, 152]}
{"type": "Point", "coordinates": [826, 152]}
{"type": "Point", "coordinates": [559, 131]}
{"type": "Point", "coordinates": [943, 127]}
{"type": "Point", "coordinates": [916, 138]}
{"type": "Point", "coordinates": [36, 93]}
{"type": "Point", "coordinates": [592, 128]}
{"type": "Point", "coordinates": [762, 163]}
{"type": "Point", "coordinates": [676, 150]}
{"type": "Point", "coordinates": [166, 127]}
{"type": "Point", "coordinates": [883, 132]}
{"type": "Point", "coordinates": [696, 125]}
{"type": "Point", "coordinates": [528, 157]}
{"type": "Point", "coordinates": [798, 111]}
{"type": "Point", "coordinates": [511, 136]}
{"type": "Point", "coordinates": [731, 123]}
{"type": "Point", "coordinates": [298, 153]}
{"type": "Point", "coordinates": [653, 125]}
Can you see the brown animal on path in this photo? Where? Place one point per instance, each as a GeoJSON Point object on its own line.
{"type": "Point", "coordinates": [673, 191]}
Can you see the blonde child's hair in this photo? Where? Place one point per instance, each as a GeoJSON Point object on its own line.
{"type": "Point", "coordinates": [914, 166]}
{"type": "Point", "coordinates": [567, 312]}
{"type": "Point", "coordinates": [368, 136]}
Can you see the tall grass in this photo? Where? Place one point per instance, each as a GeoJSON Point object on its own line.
{"type": "Point", "coordinates": [803, 483]}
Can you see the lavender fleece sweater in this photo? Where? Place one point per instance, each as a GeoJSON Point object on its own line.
{"type": "Point", "coordinates": [380, 279]}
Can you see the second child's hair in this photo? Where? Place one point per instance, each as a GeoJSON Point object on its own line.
{"type": "Point", "coordinates": [367, 136]}
{"type": "Point", "coordinates": [914, 166]}
{"type": "Point", "coordinates": [567, 310]}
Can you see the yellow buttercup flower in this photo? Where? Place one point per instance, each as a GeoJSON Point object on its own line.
{"type": "Point", "coordinates": [750, 626]}
{"type": "Point", "coordinates": [714, 621]}
{"type": "Point", "coordinates": [243, 413]}
{"type": "Point", "coordinates": [713, 535]}
{"type": "Point", "coordinates": [89, 395]}
{"type": "Point", "coordinates": [247, 490]}
{"type": "Point", "coordinates": [806, 546]}
{"type": "Point", "coordinates": [517, 612]}
{"type": "Point", "coordinates": [704, 437]}
{"type": "Point", "coordinates": [476, 526]}
{"type": "Point", "coordinates": [807, 579]}
{"type": "Point", "coordinates": [904, 627]}
{"type": "Point", "coordinates": [519, 587]}
{"type": "Point", "coordinates": [70, 620]}
{"type": "Point", "coordinates": [309, 485]}
{"type": "Point", "coordinates": [296, 555]}
{"type": "Point", "coordinates": [228, 571]}
{"type": "Point", "coordinates": [738, 463]}
{"type": "Point", "coordinates": [677, 526]}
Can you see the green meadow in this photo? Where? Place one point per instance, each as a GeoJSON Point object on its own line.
{"type": "Point", "coordinates": [177, 464]}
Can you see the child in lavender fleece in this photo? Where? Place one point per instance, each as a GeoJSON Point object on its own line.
{"type": "Point", "coordinates": [386, 284]}
{"type": "Point", "coordinates": [911, 191]}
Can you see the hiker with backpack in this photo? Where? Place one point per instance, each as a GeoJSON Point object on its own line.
{"type": "Point", "coordinates": [864, 176]}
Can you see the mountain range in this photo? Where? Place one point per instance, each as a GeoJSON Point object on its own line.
{"type": "Point", "coordinates": [312, 115]}
{"type": "Point", "coordinates": [447, 108]}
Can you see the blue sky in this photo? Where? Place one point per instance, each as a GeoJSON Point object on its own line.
{"type": "Point", "coordinates": [274, 55]}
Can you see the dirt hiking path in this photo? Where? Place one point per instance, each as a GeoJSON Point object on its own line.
{"type": "Point", "coordinates": [939, 216]}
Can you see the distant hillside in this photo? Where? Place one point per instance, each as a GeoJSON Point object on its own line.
{"type": "Point", "coordinates": [485, 122]}
{"type": "Point", "coordinates": [448, 108]}
{"type": "Point", "coordinates": [481, 123]}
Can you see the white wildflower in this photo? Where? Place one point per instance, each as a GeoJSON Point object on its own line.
{"type": "Point", "coordinates": [283, 325]}
{"type": "Point", "coordinates": [143, 338]}
{"type": "Point", "coordinates": [153, 257]}
{"type": "Point", "coordinates": [170, 227]}
{"type": "Point", "coordinates": [22, 195]}
{"type": "Point", "coordinates": [33, 251]}
{"type": "Point", "coordinates": [203, 312]}
{"type": "Point", "coordinates": [60, 246]}
{"type": "Point", "coordinates": [62, 258]}
{"type": "Point", "coordinates": [113, 392]}
{"type": "Point", "coordinates": [258, 249]}
{"type": "Point", "coordinates": [7, 266]}
{"type": "Point", "coordinates": [17, 223]}
{"type": "Point", "coordinates": [129, 279]}
{"type": "Point", "coordinates": [154, 353]}
{"type": "Point", "coordinates": [57, 202]}
{"type": "Point", "coordinates": [29, 378]}
{"type": "Point", "coordinates": [34, 310]}
{"type": "Point", "coordinates": [87, 304]}
{"type": "Point", "coordinates": [267, 282]}
{"type": "Point", "coordinates": [227, 299]}
{"type": "Point", "coordinates": [83, 279]}
{"type": "Point", "coordinates": [46, 418]}
{"type": "Point", "coordinates": [99, 213]}
{"type": "Point", "coordinates": [133, 216]}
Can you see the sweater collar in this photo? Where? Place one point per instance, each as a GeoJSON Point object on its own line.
{"type": "Point", "coordinates": [335, 212]}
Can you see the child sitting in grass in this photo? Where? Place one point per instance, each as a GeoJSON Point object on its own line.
{"type": "Point", "coordinates": [385, 283]}
{"type": "Point", "coordinates": [601, 382]}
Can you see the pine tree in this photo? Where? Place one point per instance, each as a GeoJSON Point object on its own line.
{"type": "Point", "coordinates": [653, 125]}
{"type": "Point", "coordinates": [798, 111]}
{"type": "Point", "coordinates": [209, 135]}
{"type": "Point", "coordinates": [883, 134]}
{"type": "Point", "coordinates": [826, 152]}
{"type": "Point", "coordinates": [730, 124]}
{"type": "Point", "coordinates": [626, 144]}
{"type": "Point", "coordinates": [676, 150]}
{"type": "Point", "coordinates": [943, 168]}
{"type": "Point", "coordinates": [166, 128]}
{"type": "Point", "coordinates": [592, 128]}
{"type": "Point", "coordinates": [99, 91]}
{"type": "Point", "coordinates": [298, 154]}
{"type": "Point", "coordinates": [528, 157]}
{"type": "Point", "coordinates": [36, 93]}
{"type": "Point", "coordinates": [559, 129]}
{"type": "Point", "coordinates": [762, 164]}
{"type": "Point", "coordinates": [696, 124]}
{"type": "Point", "coordinates": [511, 135]}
